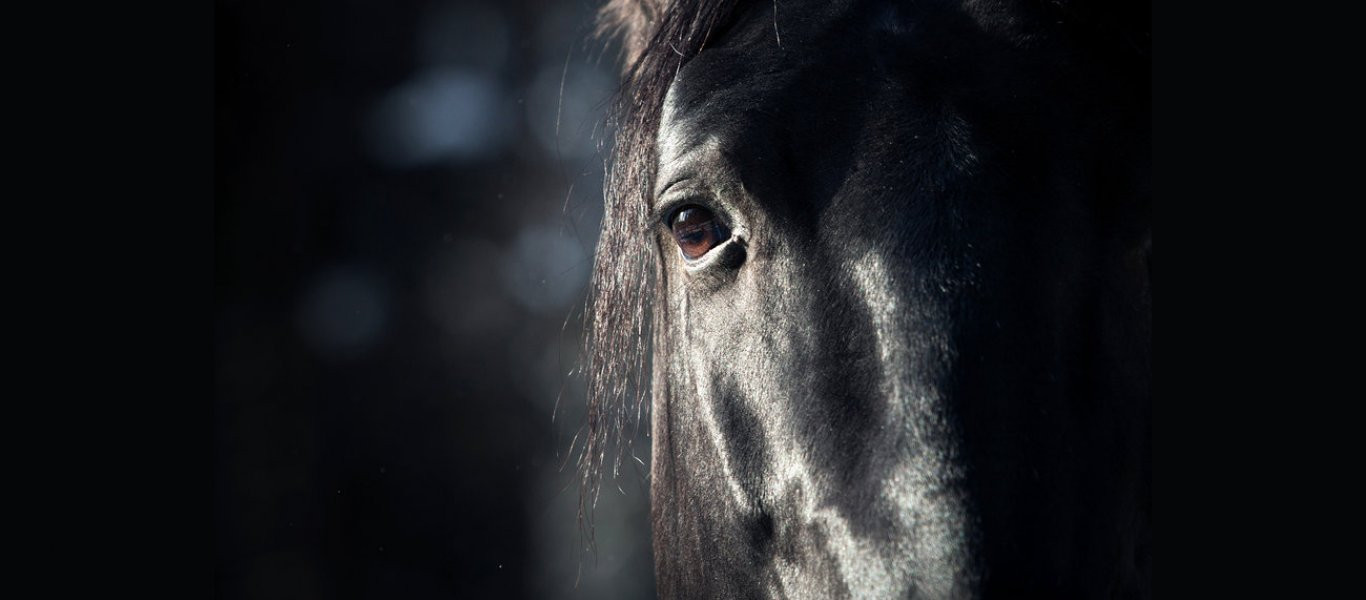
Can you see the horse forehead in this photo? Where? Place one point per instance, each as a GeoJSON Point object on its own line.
{"type": "Point", "coordinates": [778, 56]}
{"type": "Point", "coordinates": [749, 81]}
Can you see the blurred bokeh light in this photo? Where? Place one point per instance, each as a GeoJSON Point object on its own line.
{"type": "Point", "coordinates": [407, 200]}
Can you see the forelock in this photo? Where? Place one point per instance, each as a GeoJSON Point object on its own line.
{"type": "Point", "coordinates": [630, 21]}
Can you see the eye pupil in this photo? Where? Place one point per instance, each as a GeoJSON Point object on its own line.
{"type": "Point", "coordinates": [697, 231]}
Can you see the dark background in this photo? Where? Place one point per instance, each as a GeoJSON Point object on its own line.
{"type": "Point", "coordinates": [406, 201]}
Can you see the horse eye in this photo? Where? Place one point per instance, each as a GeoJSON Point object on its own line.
{"type": "Point", "coordinates": [697, 230]}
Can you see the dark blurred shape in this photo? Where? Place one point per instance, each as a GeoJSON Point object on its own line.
{"type": "Point", "coordinates": [407, 200]}
{"type": "Point", "coordinates": [545, 270]}
{"type": "Point", "coordinates": [563, 107]}
{"type": "Point", "coordinates": [469, 34]}
{"type": "Point", "coordinates": [343, 313]}
{"type": "Point", "coordinates": [442, 113]}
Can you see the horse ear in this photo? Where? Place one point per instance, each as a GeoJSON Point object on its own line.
{"type": "Point", "coordinates": [630, 21]}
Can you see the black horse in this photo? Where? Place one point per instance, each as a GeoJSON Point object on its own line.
{"type": "Point", "coordinates": [887, 265]}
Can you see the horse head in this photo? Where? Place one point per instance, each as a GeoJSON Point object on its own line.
{"type": "Point", "coordinates": [885, 265]}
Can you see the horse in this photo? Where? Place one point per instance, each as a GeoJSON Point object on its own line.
{"type": "Point", "coordinates": [882, 270]}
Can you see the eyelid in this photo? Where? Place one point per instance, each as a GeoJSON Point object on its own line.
{"type": "Point", "coordinates": [729, 252]}
{"type": "Point", "coordinates": [670, 202]}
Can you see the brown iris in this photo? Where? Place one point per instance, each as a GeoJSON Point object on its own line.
{"type": "Point", "coordinates": [697, 230]}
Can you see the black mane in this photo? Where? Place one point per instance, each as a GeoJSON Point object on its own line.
{"type": "Point", "coordinates": [657, 41]}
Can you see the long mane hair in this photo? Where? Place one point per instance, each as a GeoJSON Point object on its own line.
{"type": "Point", "coordinates": [658, 37]}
